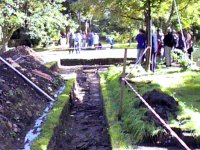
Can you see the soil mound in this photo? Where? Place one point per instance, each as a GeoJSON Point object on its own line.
{"type": "Point", "coordinates": [162, 103]}
{"type": "Point", "coordinates": [21, 104]}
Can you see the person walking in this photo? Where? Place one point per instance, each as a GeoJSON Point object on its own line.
{"type": "Point", "coordinates": [168, 46]}
{"type": "Point", "coordinates": [141, 40]}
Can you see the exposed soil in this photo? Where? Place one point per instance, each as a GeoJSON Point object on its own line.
{"type": "Point", "coordinates": [166, 107]}
{"type": "Point", "coordinates": [84, 126]}
{"type": "Point", "coordinates": [162, 103]}
{"type": "Point", "coordinates": [21, 104]}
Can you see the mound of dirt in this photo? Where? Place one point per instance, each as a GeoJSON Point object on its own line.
{"type": "Point", "coordinates": [162, 103]}
{"type": "Point", "coordinates": [20, 103]}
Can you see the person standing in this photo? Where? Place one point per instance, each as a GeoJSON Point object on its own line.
{"type": "Point", "coordinates": [96, 40]}
{"type": "Point", "coordinates": [189, 44]}
{"type": "Point", "coordinates": [168, 46]}
{"type": "Point", "coordinates": [154, 49]}
{"type": "Point", "coordinates": [180, 41]}
{"type": "Point", "coordinates": [110, 41]}
{"type": "Point", "coordinates": [77, 42]}
{"type": "Point", "coordinates": [63, 40]}
{"type": "Point", "coordinates": [160, 37]}
{"type": "Point", "coordinates": [84, 38]}
{"type": "Point", "coordinates": [141, 40]}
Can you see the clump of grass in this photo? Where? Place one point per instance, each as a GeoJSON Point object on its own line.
{"type": "Point", "coordinates": [50, 64]}
{"type": "Point", "coordinates": [43, 140]}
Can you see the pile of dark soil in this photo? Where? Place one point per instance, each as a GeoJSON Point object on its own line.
{"type": "Point", "coordinates": [162, 103]}
{"type": "Point", "coordinates": [165, 106]}
{"type": "Point", "coordinates": [20, 103]}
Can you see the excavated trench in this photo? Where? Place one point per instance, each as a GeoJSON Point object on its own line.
{"type": "Point", "coordinates": [83, 125]}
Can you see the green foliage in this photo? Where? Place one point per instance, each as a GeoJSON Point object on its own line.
{"type": "Point", "coordinates": [53, 119]}
{"type": "Point", "coordinates": [42, 19]}
{"type": "Point", "coordinates": [121, 16]}
{"type": "Point", "coordinates": [180, 57]}
{"type": "Point", "coordinates": [50, 64]}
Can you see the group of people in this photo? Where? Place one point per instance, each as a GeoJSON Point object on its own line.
{"type": "Point", "coordinates": [80, 40]}
{"type": "Point", "coordinates": [163, 44]}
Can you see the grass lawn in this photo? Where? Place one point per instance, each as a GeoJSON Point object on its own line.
{"type": "Point", "coordinates": [122, 46]}
{"type": "Point", "coordinates": [183, 86]}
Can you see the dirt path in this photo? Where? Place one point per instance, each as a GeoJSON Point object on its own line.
{"type": "Point", "coordinates": [85, 127]}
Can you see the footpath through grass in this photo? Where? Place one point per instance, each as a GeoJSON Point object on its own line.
{"type": "Point", "coordinates": [53, 120]}
{"type": "Point", "coordinates": [183, 86]}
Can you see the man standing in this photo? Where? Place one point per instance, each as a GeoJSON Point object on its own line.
{"type": "Point", "coordinates": [154, 49]}
{"type": "Point", "coordinates": [168, 45]}
{"type": "Point", "coordinates": [141, 40]}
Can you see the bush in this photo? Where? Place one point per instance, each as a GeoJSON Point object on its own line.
{"type": "Point", "coordinates": [179, 57]}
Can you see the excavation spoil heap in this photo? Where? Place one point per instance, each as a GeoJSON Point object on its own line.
{"type": "Point", "coordinates": [20, 104]}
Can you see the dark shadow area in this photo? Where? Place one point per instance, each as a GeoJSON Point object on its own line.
{"type": "Point", "coordinates": [105, 61]}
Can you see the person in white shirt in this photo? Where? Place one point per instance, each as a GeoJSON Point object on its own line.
{"type": "Point", "coordinates": [96, 40]}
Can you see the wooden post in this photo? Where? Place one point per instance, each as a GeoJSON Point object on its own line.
{"type": "Point", "coordinates": [122, 85]}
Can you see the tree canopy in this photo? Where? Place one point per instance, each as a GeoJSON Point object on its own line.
{"type": "Point", "coordinates": [41, 19]}
{"type": "Point", "coordinates": [132, 13]}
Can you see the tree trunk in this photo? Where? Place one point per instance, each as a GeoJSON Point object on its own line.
{"type": "Point", "coordinates": [170, 16]}
{"type": "Point", "coordinates": [4, 44]}
{"type": "Point", "coordinates": [5, 38]}
{"type": "Point", "coordinates": [5, 47]}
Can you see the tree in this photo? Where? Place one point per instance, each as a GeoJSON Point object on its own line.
{"type": "Point", "coordinates": [41, 18]}
{"type": "Point", "coordinates": [133, 12]}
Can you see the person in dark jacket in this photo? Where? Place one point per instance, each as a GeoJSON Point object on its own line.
{"type": "Point", "coordinates": [154, 49]}
{"type": "Point", "coordinates": [168, 45]}
{"type": "Point", "coordinates": [141, 40]}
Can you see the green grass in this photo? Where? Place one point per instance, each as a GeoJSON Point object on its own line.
{"type": "Point", "coordinates": [50, 64]}
{"type": "Point", "coordinates": [47, 131]}
{"type": "Point", "coordinates": [132, 129]}
{"type": "Point", "coordinates": [132, 46]}
{"type": "Point", "coordinates": [183, 86]}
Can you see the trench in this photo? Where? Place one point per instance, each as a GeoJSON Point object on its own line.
{"type": "Point", "coordinates": [83, 125]}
